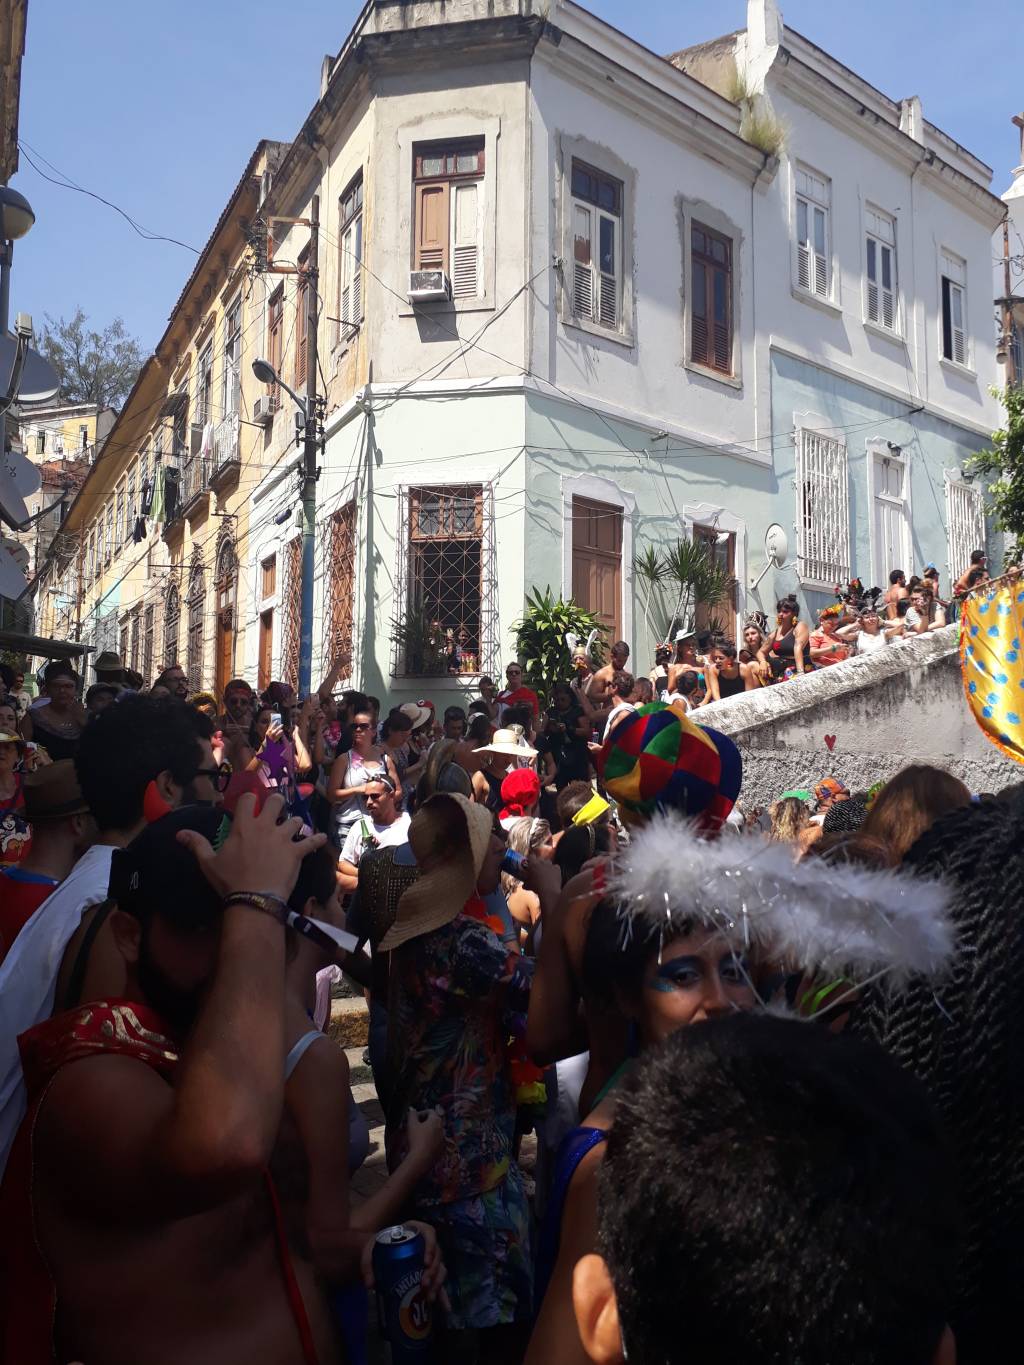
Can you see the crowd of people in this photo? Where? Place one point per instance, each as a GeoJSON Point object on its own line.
{"type": "Point", "coordinates": [767, 1060]}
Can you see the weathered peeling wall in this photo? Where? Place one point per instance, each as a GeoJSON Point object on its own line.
{"type": "Point", "coordinates": [903, 705]}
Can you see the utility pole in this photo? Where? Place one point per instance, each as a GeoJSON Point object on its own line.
{"type": "Point", "coordinates": [310, 433]}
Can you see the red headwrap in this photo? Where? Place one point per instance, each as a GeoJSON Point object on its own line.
{"type": "Point", "coordinates": [521, 788]}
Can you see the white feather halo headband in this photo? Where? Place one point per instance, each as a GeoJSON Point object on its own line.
{"type": "Point", "coordinates": [842, 920]}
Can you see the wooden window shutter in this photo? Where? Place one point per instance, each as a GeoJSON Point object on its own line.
{"type": "Point", "coordinates": [465, 243]}
{"type": "Point", "coordinates": [301, 332]}
{"type": "Point", "coordinates": [582, 265]}
{"type": "Point", "coordinates": [432, 226]}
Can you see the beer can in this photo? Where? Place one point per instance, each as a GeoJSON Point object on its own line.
{"type": "Point", "coordinates": [513, 863]}
{"type": "Point", "coordinates": [404, 1313]}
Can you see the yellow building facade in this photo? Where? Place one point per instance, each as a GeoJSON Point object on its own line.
{"type": "Point", "coordinates": [153, 543]}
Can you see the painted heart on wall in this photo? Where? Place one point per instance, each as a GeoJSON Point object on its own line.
{"type": "Point", "coordinates": [830, 742]}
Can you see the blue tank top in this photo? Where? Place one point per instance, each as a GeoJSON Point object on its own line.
{"type": "Point", "coordinates": [571, 1151]}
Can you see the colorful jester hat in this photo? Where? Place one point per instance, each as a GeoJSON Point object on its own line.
{"type": "Point", "coordinates": [658, 760]}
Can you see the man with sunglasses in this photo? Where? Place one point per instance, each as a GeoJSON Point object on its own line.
{"type": "Point", "coordinates": [515, 694]}
{"type": "Point", "coordinates": [385, 825]}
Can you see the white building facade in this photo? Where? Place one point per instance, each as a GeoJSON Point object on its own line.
{"type": "Point", "coordinates": [656, 328]}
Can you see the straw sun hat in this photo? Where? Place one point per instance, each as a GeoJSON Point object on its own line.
{"type": "Point", "coordinates": [441, 892]}
{"type": "Point", "coordinates": [508, 742]}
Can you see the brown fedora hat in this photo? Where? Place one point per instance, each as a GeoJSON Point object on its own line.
{"type": "Point", "coordinates": [52, 792]}
{"type": "Point", "coordinates": [439, 895]}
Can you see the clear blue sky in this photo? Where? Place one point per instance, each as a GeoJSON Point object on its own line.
{"type": "Point", "coordinates": [158, 106]}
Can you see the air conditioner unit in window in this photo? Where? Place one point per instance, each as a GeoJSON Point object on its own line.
{"type": "Point", "coordinates": [263, 409]}
{"type": "Point", "coordinates": [429, 286]}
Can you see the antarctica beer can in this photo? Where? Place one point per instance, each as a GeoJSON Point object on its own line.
{"type": "Point", "coordinates": [405, 1315]}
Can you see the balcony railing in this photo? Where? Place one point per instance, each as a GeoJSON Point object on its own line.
{"type": "Point", "coordinates": [225, 455]}
{"type": "Point", "coordinates": [195, 480]}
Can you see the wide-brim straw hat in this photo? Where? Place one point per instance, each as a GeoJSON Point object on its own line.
{"type": "Point", "coordinates": [507, 742]}
{"type": "Point", "coordinates": [5, 738]}
{"type": "Point", "coordinates": [439, 895]}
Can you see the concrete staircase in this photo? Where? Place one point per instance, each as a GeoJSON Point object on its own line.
{"type": "Point", "coordinates": [904, 704]}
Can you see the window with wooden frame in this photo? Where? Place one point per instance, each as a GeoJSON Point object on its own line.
{"type": "Point", "coordinates": [119, 518]}
{"type": "Point", "coordinates": [108, 534]}
{"type": "Point", "coordinates": [196, 610]}
{"type": "Point", "coordinates": [231, 371]}
{"type": "Point", "coordinates": [710, 299]}
{"type": "Point", "coordinates": [596, 208]}
{"type": "Point", "coordinates": [275, 341]}
{"type": "Point", "coordinates": [148, 641]}
{"type": "Point", "coordinates": [136, 641]}
{"type": "Point", "coordinates": [350, 265]}
{"type": "Point", "coordinates": [339, 580]}
{"type": "Point", "coordinates": [172, 622]}
{"type": "Point", "coordinates": [123, 645]}
{"type": "Point", "coordinates": [721, 548]}
{"type": "Point", "coordinates": [954, 309]}
{"type": "Point", "coordinates": [813, 252]}
{"type": "Point", "coordinates": [204, 389]}
{"type": "Point", "coordinates": [291, 624]}
{"type": "Point", "coordinates": [449, 578]}
{"type": "Point", "coordinates": [130, 506]}
{"type": "Point", "coordinates": [880, 302]}
{"type": "Point", "coordinates": [265, 647]}
{"type": "Point", "coordinates": [268, 577]}
{"type": "Point", "coordinates": [448, 184]}
{"type": "Point", "coordinates": [302, 319]}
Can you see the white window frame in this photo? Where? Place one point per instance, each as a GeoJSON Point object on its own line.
{"type": "Point", "coordinates": [725, 522]}
{"type": "Point", "coordinates": [965, 522]}
{"type": "Point", "coordinates": [876, 446]}
{"type": "Point", "coordinates": [823, 550]}
{"type": "Point", "coordinates": [204, 367]}
{"type": "Point", "coordinates": [350, 282]}
{"type": "Point", "coordinates": [596, 293]}
{"type": "Point", "coordinates": [954, 269]}
{"type": "Point", "coordinates": [881, 305]}
{"type": "Point", "coordinates": [601, 160]}
{"type": "Point", "coordinates": [231, 365]}
{"type": "Point", "coordinates": [813, 272]}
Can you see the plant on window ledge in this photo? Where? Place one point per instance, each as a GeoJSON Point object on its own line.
{"type": "Point", "coordinates": [686, 575]}
{"type": "Point", "coordinates": [540, 638]}
{"type": "Point", "coordinates": [421, 644]}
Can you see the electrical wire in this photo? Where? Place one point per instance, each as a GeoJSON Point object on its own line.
{"type": "Point", "coordinates": [66, 183]}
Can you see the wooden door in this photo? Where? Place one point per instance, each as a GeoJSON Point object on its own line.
{"type": "Point", "coordinates": [597, 561]}
{"type": "Point", "coordinates": [266, 649]}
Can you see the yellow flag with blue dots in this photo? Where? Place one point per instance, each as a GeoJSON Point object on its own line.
{"type": "Point", "coordinates": [992, 664]}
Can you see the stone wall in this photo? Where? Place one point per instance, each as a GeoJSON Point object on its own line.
{"type": "Point", "coordinates": [903, 705]}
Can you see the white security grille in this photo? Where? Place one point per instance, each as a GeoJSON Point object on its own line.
{"type": "Point", "coordinates": [822, 508]}
{"type": "Point", "coordinates": [965, 524]}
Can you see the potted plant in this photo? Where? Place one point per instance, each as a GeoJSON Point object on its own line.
{"type": "Point", "coordinates": [540, 638]}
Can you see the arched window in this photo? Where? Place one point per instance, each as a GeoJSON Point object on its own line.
{"type": "Point", "coordinates": [196, 605]}
{"type": "Point", "coordinates": [225, 585]}
{"type": "Point", "coordinates": [172, 618]}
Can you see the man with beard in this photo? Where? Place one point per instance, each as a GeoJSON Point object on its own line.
{"type": "Point", "coordinates": [137, 761]}
{"type": "Point", "coordinates": [140, 1223]}
{"type": "Point", "coordinates": [173, 678]}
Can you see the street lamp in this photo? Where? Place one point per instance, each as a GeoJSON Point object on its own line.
{"type": "Point", "coordinates": [16, 218]}
{"type": "Point", "coordinates": [266, 374]}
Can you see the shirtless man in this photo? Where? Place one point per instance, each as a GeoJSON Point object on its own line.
{"type": "Point", "coordinates": [895, 593]}
{"type": "Point", "coordinates": [141, 1167]}
{"type": "Point", "coordinates": [599, 689]}
{"type": "Point", "coordinates": [979, 561]}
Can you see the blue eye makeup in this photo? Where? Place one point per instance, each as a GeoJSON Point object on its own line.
{"type": "Point", "coordinates": [686, 973]}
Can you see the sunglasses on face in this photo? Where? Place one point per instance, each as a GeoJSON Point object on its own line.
{"type": "Point", "coordinates": [363, 725]}
{"type": "Point", "coordinates": [219, 777]}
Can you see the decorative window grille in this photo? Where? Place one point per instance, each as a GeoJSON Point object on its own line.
{"type": "Point", "coordinates": [196, 608]}
{"type": "Point", "coordinates": [447, 593]}
{"type": "Point", "coordinates": [449, 205]}
{"type": "Point", "coordinates": [292, 614]}
{"type": "Point", "coordinates": [596, 207]}
{"type": "Point", "coordinates": [711, 299]}
{"type": "Point", "coordinates": [350, 267]}
{"type": "Point", "coordinates": [813, 204]}
{"type": "Point", "coordinates": [880, 260]}
{"type": "Point", "coordinates": [135, 640]}
{"type": "Point", "coordinates": [954, 309]}
{"type": "Point", "coordinates": [172, 621]}
{"type": "Point", "coordinates": [339, 574]}
{"type": "Point", "coordinates": [822, 508]}
{"type": "Point", "coordinates": [148, 640]}
{"type": "Point", "coordinates": [965, 524]}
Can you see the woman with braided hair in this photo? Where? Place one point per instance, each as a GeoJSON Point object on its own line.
{"type": "Point", "coordinates": [962, 1038]}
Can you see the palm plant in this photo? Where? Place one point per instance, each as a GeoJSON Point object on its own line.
{"type": "Point", "coordinates": [692, 577]}
{"type": "Point", "coordinates": [540, 637]}
{"type": "Point", "coordinates": [420, 644]}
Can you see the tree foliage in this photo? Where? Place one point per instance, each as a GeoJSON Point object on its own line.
{"type": "Point", "coordinates": [93, 367]}
{"type": "Point", "coordinates": [1002, 468]}
{"type": "Point", "coordinates": [540, 638]}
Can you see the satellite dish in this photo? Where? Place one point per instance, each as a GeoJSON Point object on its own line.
{"type": "Point", "coordinates": [776, 544]}
{"type": "Point", "coordinates": [12, 580]}
{"type": "Point", "coordinates": [17, 551]}
{"type": "Point", "coordinates": [38, 383]}
{"type": "Point", "coordinates": [19, 479]}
